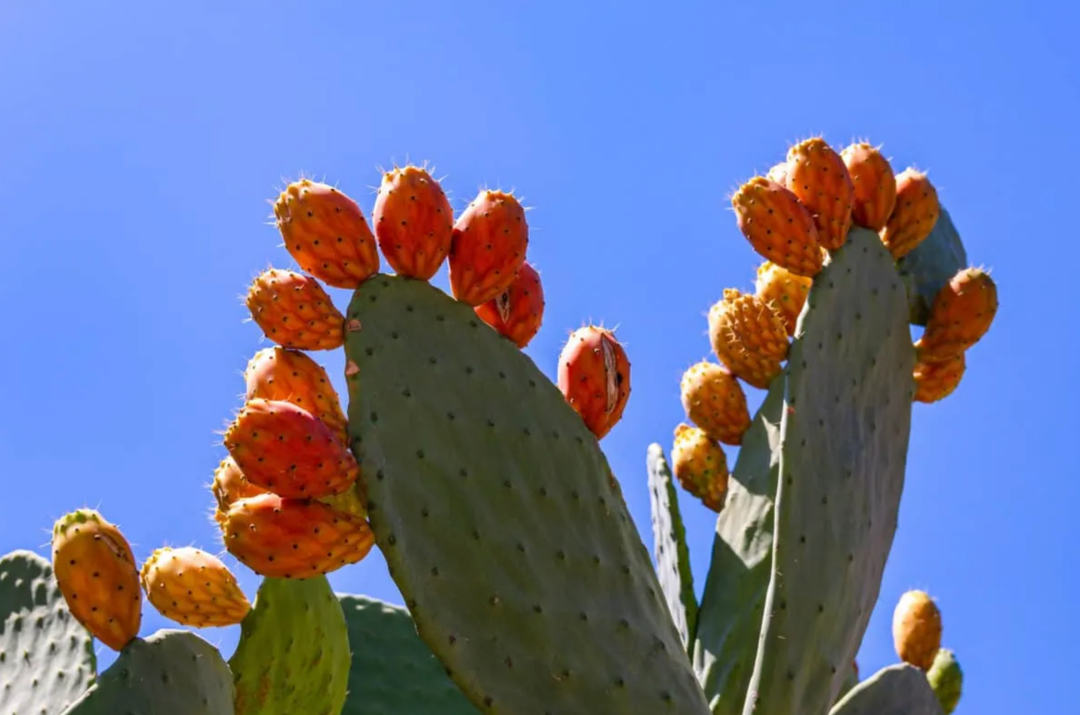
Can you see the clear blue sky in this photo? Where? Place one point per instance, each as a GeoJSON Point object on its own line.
{"type": "Point", "coordinates": [142, 141]}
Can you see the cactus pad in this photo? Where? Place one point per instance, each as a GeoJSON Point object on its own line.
{"type": "Point", "coordinates": [46, 657]}
{"type": "Point", "coordinates": [170, 673]}
{"type": "Point", "coordinates": [669, 545]}
{"type": "Point", "coordinates": [931, 266]}
{"type": "Point", "coordinates": [844, 438]}
{"type": "Point", "coordinates": [499, 518]}
{"type": "Point", "coordinates": [293, 654]}
{"type": "Point", "coordinates": [896, 690]}
{"type": "Point", "coordinates": [393, 671]}
{"type": "Point", "coordinates": [733, 602]}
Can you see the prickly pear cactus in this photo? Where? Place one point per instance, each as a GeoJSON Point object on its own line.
{"type": "Point", "coordinates": [499, 518]}
{"type": "Point", "coordinates": [896, 690]}
{"type": "Point", "coordinates": [671, 552]}
{"type": "Point", "coordinates": [46, 657]}
{"type": "Point", "coordinates": [931, 265]}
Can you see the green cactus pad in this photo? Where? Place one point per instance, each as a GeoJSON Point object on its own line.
{"type": "Point", "coordinates": [669, 545]}
{"type": "Point", "coordinates": [499, 518]}
{"type": "Point", "coordinates": [46, 656]}
{"type": "Point", "coordinates": [946, 679]}
{"type": "Point", "coordinates": [844, 438]}
{"type": "Point", "coordinates": [170, 673]}
{"type": "Point", "coordinates": [896, 690]}
{"type": "Point", "coordinates": [393, 671]}
{"type": "Point", "coordinates": [850, 682]}
{"type": "Point", "coordinates": [733, 602]}
{"type": "Point", "coordinates": [928, 268]}
{"type": "Point", "coordinates": [293, 654]}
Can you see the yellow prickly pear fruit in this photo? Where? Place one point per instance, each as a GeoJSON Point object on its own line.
{"type": "Point", "coordinates": [295, 311]}
{"type": "Point", "coordinates": [277, 373]}
{"type": "Point", "coordinates": [937, 380]}
{"type": "Point", "coordinates": [917, 210]}
{"type": "Point", "coordinates": [778, 226]}
{"type": "Point", "coordinates": [193, 588]}
{"type": "Point", "coordinates": [714, 401]}
{"type": "Point", "coordinates": [700, 465]}
{"type": "Point", "coordinates": [960, 316]}
{"type": "Point", "coordinates": [96, 572]}
{"type": "Point", "coordinates": [916, 629]}
{"type": "Point", "coordinates": [784, 291]}
{"type": "Point", "coordinates": [818, 176]}
{"type": "Point", "coordinates": [748, 336]}
{"type": "Point", "coordinates": [874, 182]}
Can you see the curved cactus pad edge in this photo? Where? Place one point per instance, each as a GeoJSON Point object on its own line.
{"type": "Point", "coordinates": [895, 690]}
{"type": "Point", "coordinates": [499, 518]}
{"type": "Point", "coordinates": [928, 268]}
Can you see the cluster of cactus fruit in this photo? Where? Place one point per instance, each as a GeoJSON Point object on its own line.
{"type": "Point", "coordinates": [482, 483]}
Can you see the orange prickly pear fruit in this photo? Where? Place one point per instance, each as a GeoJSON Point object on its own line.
{"type": "Point", "coordinates": [937, 380]}
{"type": "Point", "coordinates": [748, 336]}
{"type": "Point", "coordinates": [295, 311]}
{"type": "Point", "coordinates": [818, 176]}
{"type": "Point", "coordinates": [874, 182]}
{"type": "Point", "coordinates": [778, 226]}
{"type": "Point", "coordinates": [913, 218]}
{"type": "Point", "coordinates": [325, 231]}
{"type": "Point", "coordinates": [784, 291]}
{"type": "Point", "coordinates": [916, 629]}
{"type": "Point", "coordinates": [278, 373]}
{"type": "Point", "coordinates": [287, 450]}
{"type": "Point", "coordinates": [193, 588]}
{"type": "Point", "coordinates": [279, 537]}
{"type": "Point", "coordinates": [594, 377]}
{"type": "Point", "coordinates": [96, 572]}
{"type": "Point", "coordinates": [229, 485]}
{"type": "Point", "coordinates": [960, 315]}
{"type": "Point", "coordinates": [779, 173]}
{"type": "Point", "coordinates": [488, 247]}
{"type": "Point", "coordinates": [518, 311]}
{"type": "Point", "coordinates": [700, 465]}
{"type": "Point", "coordinates": [714, 401]}
{"type": "Point", "coordinates": [414, 222]}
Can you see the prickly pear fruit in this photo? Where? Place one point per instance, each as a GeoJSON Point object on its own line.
{"type": "Point", "coordinates": [778, 226]}
{"type": "Point", "coordinates": [193, 588]}
{"type": "Point", "coordinates": [748, 336]}
{"type": "Point", "coordinates": [778, 173]}
{"type": "Point", "coordinates": [818, 176]}
{"type": "Point", "coordinates": [277, 373]}
{"type": "Point", "coordinates": [594, 377]}
{"type": "Point", "coordinates": [960, 316]}
{"type": "Point", "coordinates": [295, 311]}
{"type": "Point", "coordinates": [916, 629]}
{"type": "Point", "coordinates": [913, 218]}
{"type": "Point", "coordinates": [325, 231]}
{"type": "Point", "coordinates": [946, 679]}
{"type": "Point", "coordinates": [518, 311]}
{"type": "Point", "coordinates": [700, 465]}
{"type": "Point", "coordinates": [96, 572]}
{"type": "Point", "coordinates": [287, 450]}
{"type": "Point", "coordinates": [414, 222]}
{"type": "Point", "coordinates": [488, 247]}
{"type": "Point", "coordinates": [784, 291]}
{"type": "Point", "coordinates": [351, 501]}
{"type": "Point", "coordinates": [937, 380]}
{"type": "Point", "coordinates": [714, 401]}
{"type": "Point", "coordinates": [279, 537]}
{"type": "Point", "coordinates": [874, 182]}
{"type": "Point", "coordinates": [229, 485]}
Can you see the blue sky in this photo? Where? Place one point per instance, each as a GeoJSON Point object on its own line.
{"type": "Point", "coordinates": [142, 142]}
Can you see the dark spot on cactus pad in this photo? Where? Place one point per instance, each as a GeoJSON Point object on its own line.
{"type": "Point", "coordinates": [374, 417]}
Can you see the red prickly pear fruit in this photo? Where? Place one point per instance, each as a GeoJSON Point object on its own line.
{"type": "Point", "coordinates": [778, 226]}
{"type": "Point", "coordinates": [700, 465]}
{"type": "Point", "coordinates": [714, 401]}
{"type": "Point", "coordinates": [295, 311]}
{"type": "Point", "coordinates": [961, 314]}
{"type": "Point", "coordinates": [819, 177]}
{"type": "Point", "coordinates": [518, 311]}
{"type": "Point", "coordinates": [96, 572]}
{"type": "Point", "coordinates": [783, 291]}
{"type": "Point", "coordinates": [594, 377]}
{"type": "Point", "coordinates": [913, 218]}
{"type": "Point", "coordinates": [935, 381]}
{"type": "Point", "coordinates": [277, 537]}
{"type": "Point", "coordinates": [749, 337]}
{"type": "Point", "coordinates": [916, 629]}
{"type": "Point", "coordinates": [193, 588]}
{"type": "Point", "coordinates": [488, 247]}
{"type": "Point", "coordinates": [874, 182]}
{"type": "Point", "coordinates": [277, 373]}
{"type": "Point", "coordinates": [287, 450]}
{"type": "Point", "coordinates": [229, 485]}
{"type": "Point", "coordinates": [414, 222]}
{"type": "Point", "coordinates": [325, 231]}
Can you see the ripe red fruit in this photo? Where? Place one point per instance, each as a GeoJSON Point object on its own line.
{"type": "Point", "coordinates": [594, 377]}
{"type": "Point", "coordinates": [518, 311]}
